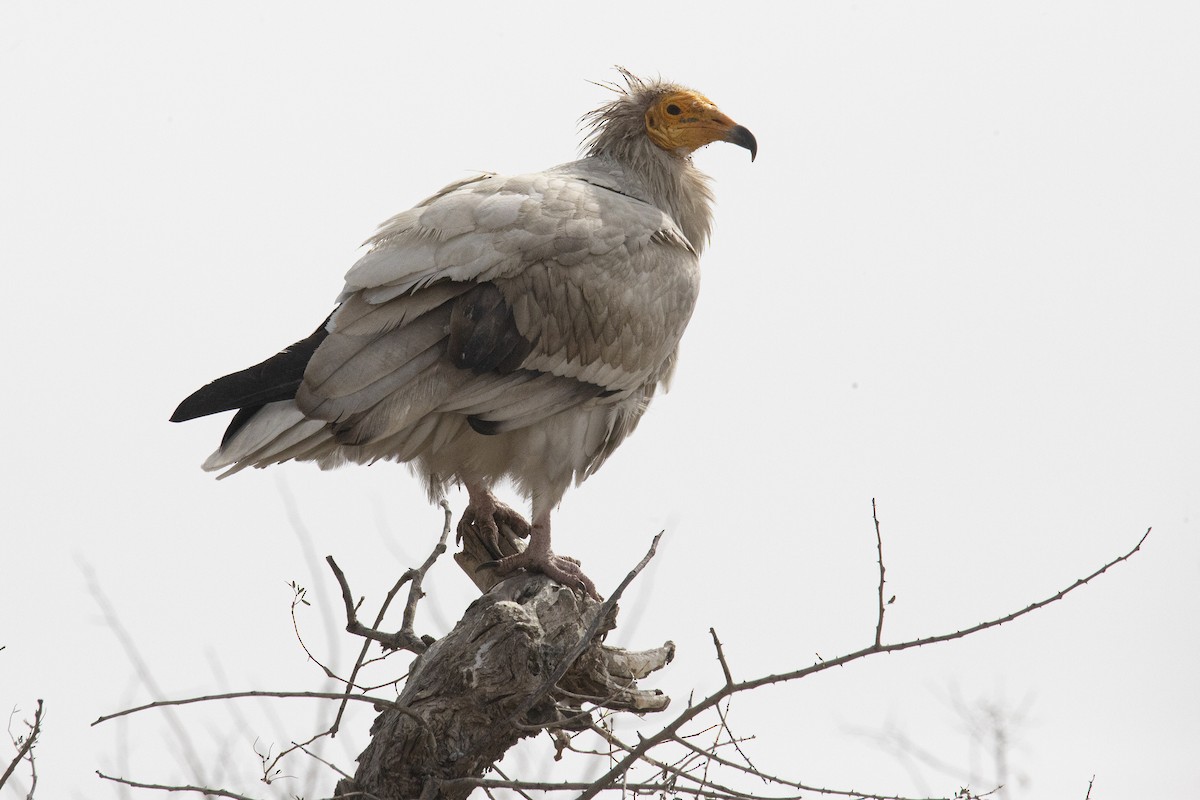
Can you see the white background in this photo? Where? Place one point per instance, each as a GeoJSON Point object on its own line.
{"type": "Point", "coordinates": [962, 278]}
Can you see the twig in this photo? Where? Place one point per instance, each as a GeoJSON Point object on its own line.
{"type": "Point", "coordinates": [332, 766]}
{"type": "Point", "coordinates": [704, 783]}
{"type": "Point", "coordinates": [879, 544]}
{"type": "Point", "coordinates": [721, 657]}
{"type": "Point", "coordinates": [204, 790]}
{"type": "Point", "coordinates": [232, 695]}
{"type": "Point", "coordinates": [26, 747]}
{"type": "Point", "coordinates": [414, 591]}
{"type": "Point", "coordinates": [408, 636]}
{"type": "Point", "coordinates": [1088, 796]}
{"type": "Point", "coordinates": [393, 641]}
{"type": "Point", "coordinates": [754, 772]}
{"type": "Point", "coordinates": [733, 740]}
{"type": "Point", "coordinates": [271, 763]}
{"type": "Point", "coordinates": [672, 728]}
{"type": "Point", "coordinates": [500, 772]}
{"type": "Point", "coordinates": [664, 786]}
{"type": "Point", "coordinates": [298, 598]}
{"type": "Point", "coordinates": [674, 771]}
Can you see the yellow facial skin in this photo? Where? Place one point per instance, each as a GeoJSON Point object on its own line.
{"type": "Point", "coordinates": [682, 122]}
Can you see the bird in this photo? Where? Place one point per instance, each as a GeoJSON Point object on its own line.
{"type": "Point", "coordinates": [509, 327]}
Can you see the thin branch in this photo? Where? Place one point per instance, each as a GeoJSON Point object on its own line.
{"type": "Point", "coordinates": [754, 772]}
{"type": "Point", "coordinates": [410, 609]}
{"type": "Point", "coordinates": [393, 641]}
{"type": "Point", "coordinates": [405, 638]}
{"type": "Point", "coordinates": [414, 591]}
{"type": "Point", "coordinates": [379, 701]}
{"type": "Point", "coordinates": [298, 598]}
{"type": "Point", "coordinates": [704, 783]}
{"type": "Point", "coordinates": [721, 657]}
{"type": "Point", "coordinates": [664, 786]}
{"type": "Point", "coordinates": [879, 544]}
{"type": "Point", "coordinates": [672, 728]}
{"type": "Point", "coordinates": [563, 786]}
{"type": "Point", "coordinates": [204, 790]}
{"type": "Point", "coordinates": [676, 771]}
{"type": "Point", "coordinates": [733, 740]}
{"type": "Point", "coordinates": [26, 747]}
{"type": "Point", "coordinates": [270, 764]}
{"type": "Point", "coordinates": [311, 754]}
{"type": "Point", "coordinates": [500, 772]}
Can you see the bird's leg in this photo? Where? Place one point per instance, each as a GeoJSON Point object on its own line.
{"type": "Point", "coordinates": [485, 514]}
{"type": "Point", "coordinates": [538, 557]}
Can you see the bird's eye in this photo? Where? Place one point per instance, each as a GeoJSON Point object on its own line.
{"type": "Point", "coordinates": [674, 110]}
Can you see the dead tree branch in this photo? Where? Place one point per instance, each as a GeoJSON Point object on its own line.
{"type": "Point", "coordinates": [882, 572]}
{"type": "Point", "coordinates": [671, 730]}
{"type": "Point", "coordinates": [529, 656]}
{"type": "Point", "coordinates": [162, 787]}
{"type": "Point", "coordinates": [516, 663]}
{"type": "Point", "coordinates": [25, 748]}
{"type": "Point", "coordinates": [379, 701]}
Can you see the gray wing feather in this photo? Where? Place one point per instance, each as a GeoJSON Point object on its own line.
{"type": "Point", "coordinates": [600, 286]}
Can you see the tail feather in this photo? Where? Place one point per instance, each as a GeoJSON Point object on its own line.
{"type": "Point", "coordinates": [275, 379]}
{"type": "Point", "coordinates": [273, 428]}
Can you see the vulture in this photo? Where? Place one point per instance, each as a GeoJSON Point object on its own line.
{"type": "Point", "coordinates": [508, 327]}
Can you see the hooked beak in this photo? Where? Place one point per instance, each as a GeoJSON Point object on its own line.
{"type": "Point", "coordinates": [742, 137]}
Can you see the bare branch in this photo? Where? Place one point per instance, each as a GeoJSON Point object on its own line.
{"type": "Point", "coordinates": [379, 701]}
{"type": "Point", "coordinates": [665, 786]}
{"type": "Point", "coordinates": [500, 772]}
{"type": "Point", "coordinates": [299, 599]}
{"type": "Point", "coordinates": [204, 790]}
{"type": "Point", "coordinates": [721, 657]}
{"type": "Point", "coordinates": [733, 740]}
{"type": "Point", "coordinates": [703, 783]}
{"type": "Point", "coordinates": [414, 591]}
{"type": "Point", "coordinates": [300, 746]}
{"type": "Point", "coordinates": [270, 764]}
{"type": "Point", "coordinates": [406, 638]}
{"type": "Point", "coordinates": [879, 544]}
{"type": "Point", "coordinates": [671, 729]}
{"type": "Point", "coordinates": [25, 748]}
{"type": "Point", "coordinates": [391, 641]}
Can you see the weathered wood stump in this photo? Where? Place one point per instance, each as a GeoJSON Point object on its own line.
{"type": "Point", "coordinates": [480, 689]}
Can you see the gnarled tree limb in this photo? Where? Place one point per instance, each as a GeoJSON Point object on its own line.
{"type": "Point", "coordinates": [480, 689]}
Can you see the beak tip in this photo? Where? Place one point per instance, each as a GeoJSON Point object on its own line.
{"type": "Point", "coordinates": [742, 137]}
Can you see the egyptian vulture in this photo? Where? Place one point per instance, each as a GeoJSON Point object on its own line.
{"type": "Point", "coordinates": [510, 326]}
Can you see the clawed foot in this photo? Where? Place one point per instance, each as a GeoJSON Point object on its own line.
{"type": "Point", "coordinates": [484, 516]}
{"type": "Point", "coordinates": [564, 569]}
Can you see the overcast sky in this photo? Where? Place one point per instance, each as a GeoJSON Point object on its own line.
{"type": "Point", "coordinates": [962, 278]}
